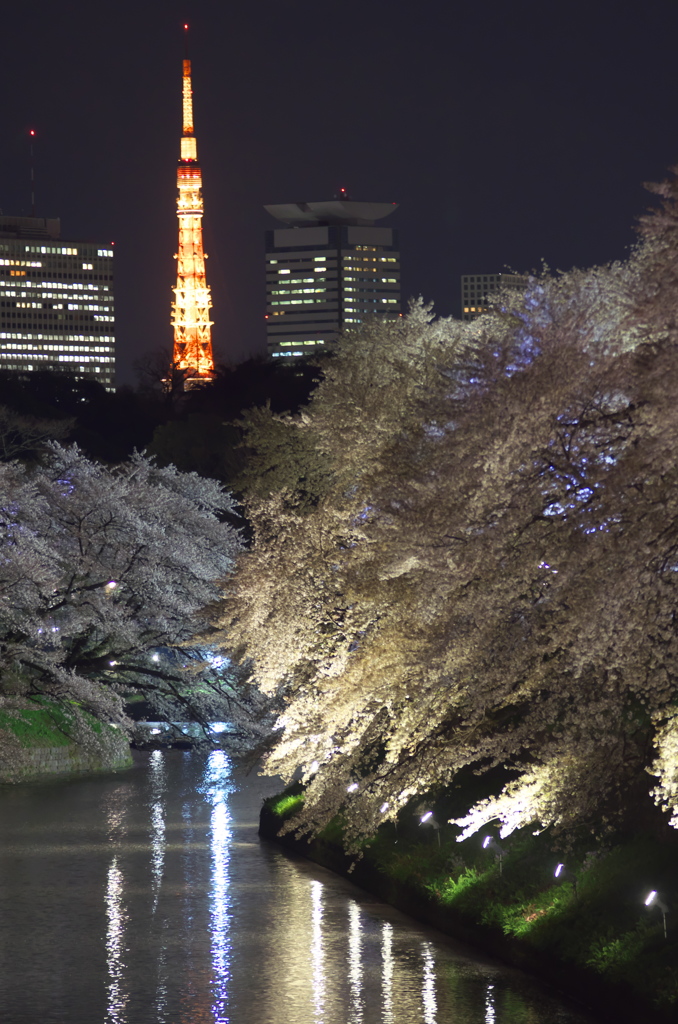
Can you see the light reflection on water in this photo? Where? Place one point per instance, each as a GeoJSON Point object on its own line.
{"type": "Point", "coordinates": [387, 972]}
{"type": "Point", "coordinates": [221, 838]}
{"type": "Point", "coordinates": [115, 948]}
{"type": "Point", "coordinates": [428, 987]}
{"type": "Point", "coordinates": [317, 951]}
{"type": "Point", "coordinates": [146, 898]}
{"type": "Point", "coordinates": [489, 1006]}
{"type": "Point", "coordinates": [355, 968]}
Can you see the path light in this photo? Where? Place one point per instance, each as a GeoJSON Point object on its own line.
{"type": "Point", "coordinates": [353, 788]}
{"type": "Point", "coordinates": [653, 899]}
{"type": "Point", "coordinates": [111, 585]}
{"type": "Point", "coordinates": [563, 873]}
{"type": "Point", "coordinates": [383, 809]}
{"type": "Point", "coordinates": [490, 843]}
{"type": "Point", "coordinates": [314, 766]}
{"type": "Point", "coordinates": [156, 657]}
{"type": "Point", "coordinates": [428, 819]}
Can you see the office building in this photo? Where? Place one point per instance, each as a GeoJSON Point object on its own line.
{"type": "Point", "coordinates": [330, 267]}
{"type": "Point", "coordinates": [476, 289]}
{"type": "Point", "coordinates": [56, 301]}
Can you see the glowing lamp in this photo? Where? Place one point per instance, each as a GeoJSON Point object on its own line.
{"type": "Point", "coordinates": [383, 808]}
{"type": "Point", "coordinates": [353, 788]}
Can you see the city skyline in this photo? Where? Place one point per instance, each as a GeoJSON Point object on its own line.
{"type": "Point", "coordinates": [506, 136]}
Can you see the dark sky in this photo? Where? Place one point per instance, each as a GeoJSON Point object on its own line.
{"type": "Point", "coordinates": [507, 132]}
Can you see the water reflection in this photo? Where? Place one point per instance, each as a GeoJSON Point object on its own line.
{"type": "Point", "coordinates": [146, 898]}
{"type": "Point", "coordinates": [317, 951]}
{"type": "Point", "coordinates": [115, 948]}
{"type": "Point", "coordinates": [387, 972]}
{"type": "Point", "coordinates": [218, 771]}
{"type": "Point", "coordinates": [157, 821]}
{"type": "Point", "coordinates": [490, 1015]}
{"type": "Point", "coordinates": [428, 986]}
{"type": "Point", "coordinates": [355, 967]}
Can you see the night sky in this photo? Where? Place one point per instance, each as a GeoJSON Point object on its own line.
{"type": "Point", "coordinates": [507, 132]}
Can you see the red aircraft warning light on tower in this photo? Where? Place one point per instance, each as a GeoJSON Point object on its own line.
{"type": "Point", "coordinates": [192, 302]}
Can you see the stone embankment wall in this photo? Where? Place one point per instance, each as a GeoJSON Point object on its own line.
{"type": "Point", "coordinates": [39, 740]}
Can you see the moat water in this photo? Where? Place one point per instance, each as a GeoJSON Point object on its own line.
{"type": "Point", "coordinates": [146, 897]}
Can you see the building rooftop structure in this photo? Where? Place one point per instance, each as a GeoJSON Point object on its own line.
{"type": "Point", "coordinates": [334, 211]}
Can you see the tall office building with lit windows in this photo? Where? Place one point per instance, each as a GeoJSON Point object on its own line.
{"type": "Point", "coordinates": [329, 268]}
{"type": "Point", "coordinates": [56, 301]}
{"type": "Point", "coordinates": [476, 290]}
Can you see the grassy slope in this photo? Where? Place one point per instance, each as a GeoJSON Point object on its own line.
{"type": "Point", "coordinates": [46, 725]}
{"type": "Point", "coordinates": [590, 931]}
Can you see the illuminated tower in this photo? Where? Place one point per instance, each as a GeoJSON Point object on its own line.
{"type": "Point", "coordinates": [192, 302]}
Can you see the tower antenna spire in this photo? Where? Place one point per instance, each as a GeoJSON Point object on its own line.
{"type": "Point", "coordinates": [31, 135]}
{"type": "Point", "coordinates": [192, 298]}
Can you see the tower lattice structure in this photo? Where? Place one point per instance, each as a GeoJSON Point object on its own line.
{"type": "Point", "coordinates": [192, 298]}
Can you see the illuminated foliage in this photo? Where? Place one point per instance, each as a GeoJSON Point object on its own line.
{"type": "Point", "coordinates": [103, 575]}
{"type": "Point", "coordinates": [487, 575]}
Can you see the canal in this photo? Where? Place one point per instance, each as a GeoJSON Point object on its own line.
{"type": "Point", "coordinates": [146, 897]}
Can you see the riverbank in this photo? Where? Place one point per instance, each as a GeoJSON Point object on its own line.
{"type": "Point", "coordinates": [40, 738]}
{"type": "Point", "coordinates": [587, 931]}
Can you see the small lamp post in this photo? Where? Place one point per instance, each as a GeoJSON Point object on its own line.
{"type": "Point", "coordinates": [653, 899]}
{"type": "Point", "coordinates": [428, 819]}
{"type": "Point", "coordinates": [490, 843]}
{"type": "Point", "coordinates": [564, 873]}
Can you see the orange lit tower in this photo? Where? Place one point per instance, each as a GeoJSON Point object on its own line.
{"type": "Point", "coordinates": [192, 302]}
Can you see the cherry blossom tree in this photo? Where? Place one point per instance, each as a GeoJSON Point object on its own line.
{"type": "Point", "coordinates": [486, 574]}
{"type": "Point", "coordinates": [103, 577]}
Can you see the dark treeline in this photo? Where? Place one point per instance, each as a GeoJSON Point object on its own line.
{"type": "Point", "coordinates": [195, 430]}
